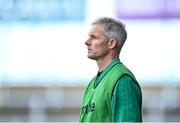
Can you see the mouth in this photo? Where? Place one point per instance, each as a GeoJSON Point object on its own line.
{"type": "Point", "coordinates": [89, 49]}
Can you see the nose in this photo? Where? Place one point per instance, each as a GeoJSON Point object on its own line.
{"type": "Point", "coordinates": [87, 42]}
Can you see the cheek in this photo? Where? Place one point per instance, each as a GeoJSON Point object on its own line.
{"type": "Point", "coordinates": [99, 47]}
{"type": "Point", "coordinates": [101, 50]}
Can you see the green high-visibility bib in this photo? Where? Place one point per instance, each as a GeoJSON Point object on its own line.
{"type": "Point", "coordinates": [96, 105]}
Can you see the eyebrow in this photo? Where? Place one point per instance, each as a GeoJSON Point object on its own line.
{"type": "Point", "coordinates": [93, 35]}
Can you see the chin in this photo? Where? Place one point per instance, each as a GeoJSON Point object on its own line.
{"type": "Point", "coordinates": [90, 57]}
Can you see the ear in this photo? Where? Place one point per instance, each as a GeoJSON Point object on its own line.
{"type": "Point", "coordinates": [112, 43]}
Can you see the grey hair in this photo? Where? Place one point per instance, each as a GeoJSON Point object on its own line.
{"type": "Point", "coordinates": [113, 29]}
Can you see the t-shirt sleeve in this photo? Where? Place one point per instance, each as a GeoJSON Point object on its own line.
{"type": "Point", "coordinates": [126, 101]}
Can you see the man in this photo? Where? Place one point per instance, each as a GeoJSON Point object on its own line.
{"type": "Point", "coordinates": [113, 95]}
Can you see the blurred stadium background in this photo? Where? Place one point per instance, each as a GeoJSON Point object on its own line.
{"type": "Point", "coordinates": [43, 65]}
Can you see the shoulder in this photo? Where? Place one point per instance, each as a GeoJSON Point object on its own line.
{"type": "Point", "coordinates": [127, 83]}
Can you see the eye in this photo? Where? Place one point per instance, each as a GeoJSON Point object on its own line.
{"type": "Point", "coordinates": [92, 37]}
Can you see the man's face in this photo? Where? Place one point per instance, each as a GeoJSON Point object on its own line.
{"type": "Point", "coordinates": [96, 44]}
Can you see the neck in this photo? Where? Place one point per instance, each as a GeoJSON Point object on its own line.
{"type": "Point", "coordinates": [103, 63]}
